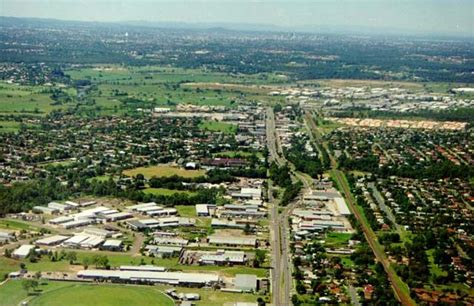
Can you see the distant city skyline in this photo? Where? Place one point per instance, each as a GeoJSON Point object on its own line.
{"type": "Point", "coordinates": [429, 17]}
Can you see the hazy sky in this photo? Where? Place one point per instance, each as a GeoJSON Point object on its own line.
{"type": "Point", "coordinates": [406, 16]}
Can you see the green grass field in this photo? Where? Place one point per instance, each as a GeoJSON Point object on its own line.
{"type": "Point", "coordinates": [434, 268]}
{"type": "Point", "coordinates": [217, 126]}
{"type": "Point", "coordinates": [326, 126]}
{"type": "Point", "coordinates": [6, 266]}
{"type": "Point", "coordinates": [186, 210]}
{"type": "Point", "coordinates": [154, 87]}
{"type": "Point", "coordinates": [104, 295]}
{"type": "Point", "coordinates": [333, 239]}
{"type": "Point", "coordinates": [18, 225]}
{"type": "Point", "coordinates": [12, 293]}
{"type": "Point", "coordinates": [10, 126]}
{"type": "Point", "coordinates": [166, 192]}
{"type": "Point", "coordinates": [163, 171]}
{"type": "Point", "coordinates": [78, 294]}
{"type": "Point", "coordinates": [233, 154]}
{"type": "Point", "coordinates": [16, 99]}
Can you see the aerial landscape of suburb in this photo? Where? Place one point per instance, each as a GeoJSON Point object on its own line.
{"type": "Point", "coordinates": [236, 153]}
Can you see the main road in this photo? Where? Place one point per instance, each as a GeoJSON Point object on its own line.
{"type": "Point", "coordinates": [279, 272]}
{"type": "Point", "coordinates": [281, 265]}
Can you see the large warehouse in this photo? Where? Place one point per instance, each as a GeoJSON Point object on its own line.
{"type": "Point", "coordinates": [171, 278]}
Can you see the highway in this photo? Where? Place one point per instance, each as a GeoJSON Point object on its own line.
{"type": "Point", "coordinates": [282, 267]}
{"type": "Point", "coordinates": [279, 260]}
{"type": "Point", "coordinates": [399, 288]}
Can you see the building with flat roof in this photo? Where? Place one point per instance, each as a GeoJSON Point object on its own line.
{"type": "Point", "coordinates": [116, 216]}
{"type": "Point", "coordinates": [97, 232]}
{"type": "Point", "coordinates": [201, 210]}
{"type": "Point", "coordinates": [143, 268]}
{"type": "Point", "coordinates": [76, 223]}
{"type": "Point", "coordinates": [84, 240]}
{"type": "Point", "coordinates": [163, 222]}
{"type": "Point", "coordinates": [72, 204]}
{"type": "Point", "coordinates": [91, 213]}
{"type": "Point", "coordinates": [247, 241]}
{"type": "Point", "coordinates": [59, 206]}
{"type": "Point", "coordinates": [61, 220]}
{"type": "Point", "coordinates": [171, 241]}
{"type": "Point", "coordinates": [51, 240]}
{"type": "Point", "coordinates": [223, 257]}
{"type": "Point", "coordinates": [23, 251]}
{"type": "Point", "coordinates": [164, 251]}
{"type": "Point", "coordinates": [112, 245]}
{"type": "Point", "coordinates": [245, 282]}
{"type": "Point", "coordinates": [45, 210]}
{"type": "Point", "coordinates": [170, 278]}
{"type": "Point", "coordinates": [7, 234]}
{"type": "Point", "coordinates": [342, 206]}
{"type": "Point", "coordinates": [248, 194]}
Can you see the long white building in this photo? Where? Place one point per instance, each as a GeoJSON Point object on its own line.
{"type": "Point", "coordinates": [171, 278]}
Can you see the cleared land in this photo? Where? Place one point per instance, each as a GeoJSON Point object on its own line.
{"type": "Point", "coordinates": [12, 126]}
{"type": "Point", "coordinates": [216, 126]}
{"type": "Point", "coordinates": [186, 210]}
{"type": "Point", "coordinates": [162, 171]}
{"type": "Point", "coordinates": [234, 154]}
{"type": "Point", "coordinates": [166, 192]}
{"type": "Point", "coordinates": [117, 91]}
{"type": "Point", "coordinates": [18, 225]}
{"type": "Point", "coordinates": [18, 99]}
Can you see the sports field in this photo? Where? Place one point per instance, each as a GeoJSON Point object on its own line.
{"type": "Point", "coordinates": [104, 295]}
{"type": "Point", "coordinates": [78, 294]}
{"type": "Point", "coordinates": [163, 170]}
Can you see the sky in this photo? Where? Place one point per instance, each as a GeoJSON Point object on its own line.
{"type": "Point", "coordinates": [443, 17]}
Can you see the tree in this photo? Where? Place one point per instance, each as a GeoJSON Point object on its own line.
{"type": "Point", "coordinates": [72, 257]}
{"type": "Point", "coordinates": [28, 284]}
{"type": "Point", "coordinates": [259, 258]}
{"type": "Point", "coordinates": [277, 108]}
{"type": "Point", "coordinates": [86, 261]}
{"type": "Point", "coordinates": [139, 181]}
{"type": "Point", "coordinates": [247, 229]}
{"type": "Point", "coordinates": [100, 261]}
{"type": "Point", "coordinates": [33, 256]}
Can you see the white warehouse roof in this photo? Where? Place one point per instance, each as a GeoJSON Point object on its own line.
{"type": "Point", "coordinates": [23, 250]}
{"type": "Point", "coordinates": [342, 206]}
{"type": "Point", "coordinates": [152, 276]}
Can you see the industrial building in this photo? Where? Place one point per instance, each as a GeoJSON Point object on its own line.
{"type": "Point", "coordinates": [52, 240]}
{"type": "Point", "coordinates": [170, 278]}
{"type": "Point", "coordinates": [245, 282]}
{"type": "Point", "coordinates": [23, 251]}
{"type": "Point", "coordinates": [249, 241]}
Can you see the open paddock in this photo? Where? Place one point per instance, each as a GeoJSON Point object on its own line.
{"type": "Point", "coordinates": [163, 171]}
